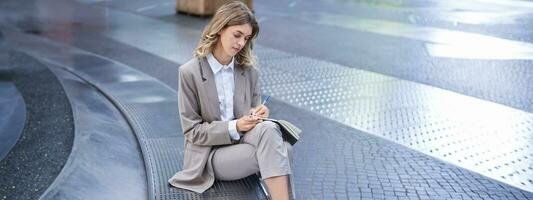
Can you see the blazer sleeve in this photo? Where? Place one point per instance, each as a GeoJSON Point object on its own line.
{"type": "Point", "coordinates": [195, 129]}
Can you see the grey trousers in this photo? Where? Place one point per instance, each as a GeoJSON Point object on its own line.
{"type": "Point", "coordinates": [261, 149]}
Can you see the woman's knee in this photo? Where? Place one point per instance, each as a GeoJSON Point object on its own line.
{"type": "Point", "coordinates": [270, 130]}
{"type": "Point", "coordinates": [268, 125]}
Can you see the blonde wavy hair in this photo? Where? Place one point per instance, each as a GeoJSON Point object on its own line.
{"type": "Point", "coordinates": [229, 14]}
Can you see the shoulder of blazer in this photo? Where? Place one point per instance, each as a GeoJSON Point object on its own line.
{"type": "Point", "coordinates": [254, 72]}
{"type": "Point", "coordinates": [190, 66]}
{"type": "Point", "coordinates": [193, 69]}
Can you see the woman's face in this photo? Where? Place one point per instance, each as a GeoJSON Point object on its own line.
{"type": "Point", "coordinates": [233, 38]}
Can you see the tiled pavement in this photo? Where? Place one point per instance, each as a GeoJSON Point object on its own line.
{"type": "Point", "coordinates": [334, 161]}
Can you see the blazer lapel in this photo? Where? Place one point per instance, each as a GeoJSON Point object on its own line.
{"type": "Point", "coordinates": [239, 92]}
{"type": "Point", "coordinates": [210, 87]}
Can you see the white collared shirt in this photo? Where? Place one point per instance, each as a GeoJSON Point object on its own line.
{"type": "Point", "coordinates": [225, 84]}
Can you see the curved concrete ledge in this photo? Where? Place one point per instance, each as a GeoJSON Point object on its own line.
{"type": "Point", "coordinates": [13, 115]}
{"type": "Point", "coordinates": [12, 105]}
{"type": "Point", "coordinates": [105, 161]}
{"type": "Point", "coordinates": [46, 140]}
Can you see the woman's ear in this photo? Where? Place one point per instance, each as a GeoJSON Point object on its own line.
{"type": "Point", "coordinates": [221, 30]}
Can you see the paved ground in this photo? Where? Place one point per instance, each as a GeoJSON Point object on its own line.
{"type": "Point", "coordinates": [326, 31]}
{"type": "Point", "coordinates": [46, 140]}
{"type": "Point", "coordinates": [438, 142]}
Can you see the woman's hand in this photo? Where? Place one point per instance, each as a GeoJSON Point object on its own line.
{"type": "Point", "coordinates": [247, 122]}
{"type": "Point", "coordinates": [260, 111]}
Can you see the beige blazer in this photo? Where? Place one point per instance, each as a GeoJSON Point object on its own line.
{"type": "Point", "coordinates": [200, 119]}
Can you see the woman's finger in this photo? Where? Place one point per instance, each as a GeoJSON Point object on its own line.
{"type": "Point", "coordinates": [261, 110]}
{"type": "Point", "coordinates": [252, 111]}
{"type": "Point", "coordinates": [252, 119]}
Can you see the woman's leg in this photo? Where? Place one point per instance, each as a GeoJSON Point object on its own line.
{"type": "Point", "coordinates": [234, 162]}
{"type": "Point", "coordinates": [278, 187]}
{"type": "Point", "coordinates": [282, 183]}
{"type": "Point", "coordinates": [261, 149]}
{"type": "Point", "coordinates": [273, 157]}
